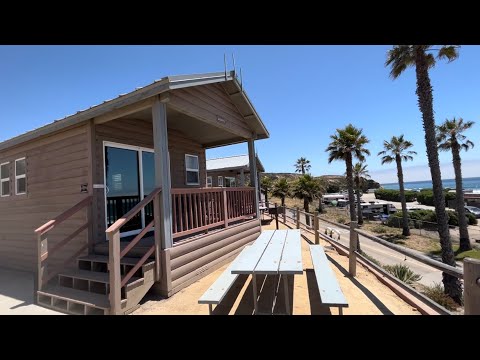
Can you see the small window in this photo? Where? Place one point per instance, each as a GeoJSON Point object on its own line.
{"type": "Point", "coordinates": [230, 182]}
{"type": "Point", "coordinates": [209, 181]}
{"type": "Point", "coordinates": [5, 179]}
{"type": "Point", "coordinates": [220, 181]}
{"type": "Point", "coordinates": [192, 169]}
{"type": "Point", "coordinates": [20, 176]}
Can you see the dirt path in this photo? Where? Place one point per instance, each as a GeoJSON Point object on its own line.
{"type": "Point", "coordinates": [365, 294]}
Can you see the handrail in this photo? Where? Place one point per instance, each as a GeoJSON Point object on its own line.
{"type": "Point", "coordinates": [43, 275]}
{"type": "Point", "coordinates": [49, 225]}
{"type": "Point", "coordinates": [134, 211]}
{"type": "Point", "coordinates": [115, 253]}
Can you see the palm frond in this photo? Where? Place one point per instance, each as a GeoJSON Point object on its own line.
{"type": "Point", "coordinates": [449, 52]}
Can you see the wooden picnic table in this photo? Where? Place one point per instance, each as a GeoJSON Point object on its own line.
{"type": "Point", "coordinates": [275, 252]}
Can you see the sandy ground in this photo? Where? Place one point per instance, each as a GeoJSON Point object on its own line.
{"type": "Point", "coordinates": [364, 293]}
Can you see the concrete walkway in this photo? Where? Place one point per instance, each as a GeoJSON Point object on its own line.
{"type": "Point", "coordinates": [16, 294]}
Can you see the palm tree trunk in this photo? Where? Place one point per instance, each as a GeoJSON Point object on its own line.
{"type": "Point", "coordinates": [359, 208]}
{"type": "Point", "coordinates": [283, 201]}
{"type": "Point", "coordinates": [406, 228]}
{"type": "Point", "coordinates": [351, 195]}
{"type": "Point", "coordinates": [320, 205]}
{"type": "Point", "coordinates": [451, 284]}
{"type": "Point", "coordinates": [460, 202]}
{"type": "Point", "coordinates": [305, 207]}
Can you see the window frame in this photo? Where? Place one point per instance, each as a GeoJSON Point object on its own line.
{"type": "Point", "coordinates": [24, 176]}
{"type": "Point", "coordinates": [218, 180]}
{"type": "Point", "coordinates": [7, 179]}
{"type": "Point", "coordinates": [211, 181]}
{"type": "Point", "coordinates": [192, 170]}
{"type": "Point", "coordinates": [231, 178]}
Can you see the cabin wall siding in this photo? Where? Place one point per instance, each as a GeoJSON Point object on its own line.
{"type": "Point", "coordinates": [57, 166]}
{"type": "Point", "coordinates": [140, 133]}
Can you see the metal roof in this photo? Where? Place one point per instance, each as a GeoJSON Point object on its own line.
{"type": "Point", "coordinates": [232, 163]}
{"type": "Point", "coordinates": [140, 93]}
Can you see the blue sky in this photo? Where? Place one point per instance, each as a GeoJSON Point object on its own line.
{"type": "Point", "coordinates": [302, 93]}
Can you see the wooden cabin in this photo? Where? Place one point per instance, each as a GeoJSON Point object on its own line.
{"type": "Point", "coordinates": [111, 202]}
{"type": "Point", "coordinates": [231, 171]}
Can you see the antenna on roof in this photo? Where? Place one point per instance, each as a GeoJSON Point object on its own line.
{"type": "Point", "coordinates": [241, 81]}
{"type": "Point", "coordinates": [225, 64]}
{"type": "Point", "coordinates": [234, 70]}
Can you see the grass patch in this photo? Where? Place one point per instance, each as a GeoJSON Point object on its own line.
{"type": "Point", "coordinates": [403, 273]}
{"type": "Point", "coordinates": [378, 229]}
{"type": "Point", "coordinates": [474, 253]}
{"type": "Point", "coordinates": [437, 294]}
{"type": "Point", "coordinates": [371, 258]}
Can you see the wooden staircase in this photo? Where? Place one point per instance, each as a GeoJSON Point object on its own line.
{"type": "Point", "coordinates": [85, 290]}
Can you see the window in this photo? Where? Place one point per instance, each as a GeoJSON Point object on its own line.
{"type": "Point", "coordinates": [220, 181]}
{"type": "Point", "coordinates": [192, 169]}
{"type": "Point", "coordinates": [209, 181]}
{"type": "Point", "coordinates": [20, 176]}
{"type": "Point", "coordinates": [230, 182]}
{"type": "Point", "coordinates": [5, 179]}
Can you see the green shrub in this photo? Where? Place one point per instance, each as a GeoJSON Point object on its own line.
{"type": "Point", "coordinates": [472, 220]}
{"type": "Point", "coordinates": [341, 220]}
{"type": "Point", "coordinates": [425, 197]}
{"type": "Point", "coordinates": [437, 294]}
{"type": "Point", "coordinates": [394, 195]}
{"type": "Point", "coordinates": [371, 258]}
{"type": "Point", "coordinates": [403, 273]}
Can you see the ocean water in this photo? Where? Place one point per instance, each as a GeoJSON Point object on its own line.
{"type": "Point", "coordinates": [468, 184]}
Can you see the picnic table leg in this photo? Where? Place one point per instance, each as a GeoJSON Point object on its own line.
{"type": "Point", "coordinates": [254, 281]}
{"type": "Point", "coordinates": [287, 298]}
{"type": "Point", "coordinates": [340, 311]}
{"type": "Point", "coordinates": [210, 309]}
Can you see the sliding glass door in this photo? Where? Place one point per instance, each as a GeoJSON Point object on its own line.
{"type": "Point", "coordinates": [129, 177]}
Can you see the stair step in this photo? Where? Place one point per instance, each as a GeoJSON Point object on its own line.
{"type": "Point", "coordinates": [100, 277]}
{"type": "Point", "coordinates": [77, 296]}
{"type": "Point", "coordinates": [104, 259]}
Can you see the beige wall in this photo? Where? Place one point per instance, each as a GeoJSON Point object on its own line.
{"type": "Point", "coordinates": [57, 165]}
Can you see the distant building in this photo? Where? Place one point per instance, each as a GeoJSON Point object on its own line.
{"type": "Point", "coordinates": [231, 171]}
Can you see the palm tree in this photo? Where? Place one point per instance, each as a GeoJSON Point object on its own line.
{"type": "Point", "coordinates": [281, 189]}
{"type": "Point", "coordinates": [360, 173]}
{"type": "Point", "coordinates": [421, 57]}
{"type": "Point", "coordinates": [302, 165]}
{"type": "Point", "coordinates": [397, 150]}
{"type": "Point", "coordinates": [266, 185]}
{"type": "Point", "coordinates": [450, 137]}
{"type": "Point", "coordinates": [307, 188]}
{"type": "Point", "coordinates": [346, 144]}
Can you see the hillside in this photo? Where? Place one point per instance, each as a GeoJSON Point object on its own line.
{"type": "Point", "coordinates": [334, 183]}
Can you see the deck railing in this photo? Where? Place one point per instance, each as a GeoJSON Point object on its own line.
{"type": "Point", "coordinates": [44, 273]}
{"type": "Point", "coordinates": [196, 210]}
{"type": "Point", "coordinates": [115, 253]}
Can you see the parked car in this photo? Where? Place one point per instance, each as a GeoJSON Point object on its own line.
{"type": "Point", "coordinates": [473, 210]}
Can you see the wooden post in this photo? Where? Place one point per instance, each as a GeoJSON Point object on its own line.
{"type": "Point", "coordinates": [352, 256]}
{"type": "Point", "coordinates": [42, 249]}
{"type": "Point", "coordinates": [471, 283]}
{"type": "Point", "coordinates": [114, 272]}
{"type": "Point", "coordinates": [298, 217]}
{"type": "Point", "coordinates": [158, 239]}
{"type": "Point", "coordinates": [162, 171]}
{"type": "Point", "coordinates": [315, 227]}
{"type": "Point", "coordinates": [225, 208]}
{"type": "Point", "coordinates": [276, 215]}
{"type": "Point", "coordinates": [242, 177]}
{"type": "Point", "coordinates": [254, 182]}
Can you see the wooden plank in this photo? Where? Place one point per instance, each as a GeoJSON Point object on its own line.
{"type": "Point", "coordinates": [247, 264]}
{"type": "Point", "coordinates": [217, 291]}
{"type": "Point", "coordinates": [291, 262]}
{"type": "Point", "coordinates": [270, 261]}
{"type": "Point", "coordinates": [471, 269]}
{"type": "Point", "coordinates": [330, 291]}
